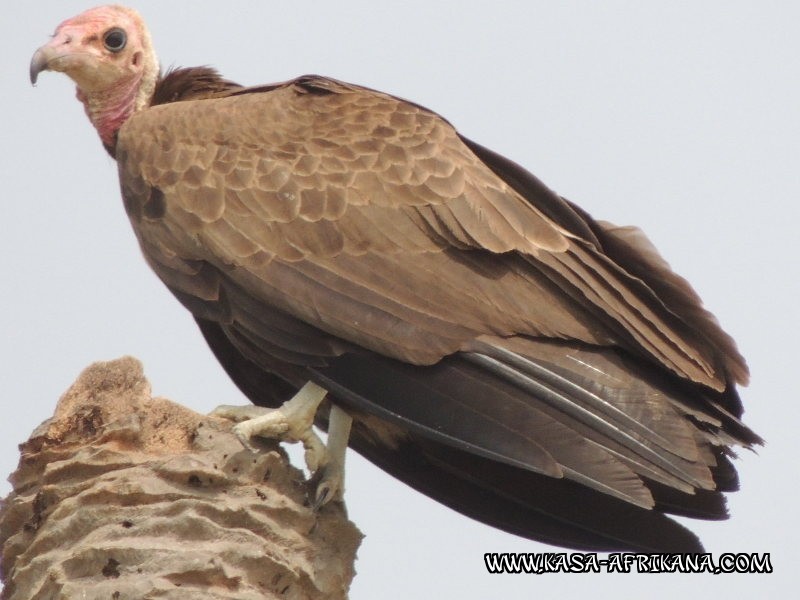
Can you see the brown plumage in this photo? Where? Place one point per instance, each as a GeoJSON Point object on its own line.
{"type": "Point", "coordinates": [499, 349]}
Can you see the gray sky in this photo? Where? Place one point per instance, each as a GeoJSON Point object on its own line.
{"type": "Point", "coordinates": [679, 117]}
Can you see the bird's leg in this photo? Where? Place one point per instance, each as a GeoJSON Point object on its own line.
{"type": "Point", "coordinates": [292, 422]}
{"type": "Point", "coordinates": [330, 477]}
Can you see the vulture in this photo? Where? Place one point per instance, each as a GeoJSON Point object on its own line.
{"type": "Point", "coordinates": [354, 262]}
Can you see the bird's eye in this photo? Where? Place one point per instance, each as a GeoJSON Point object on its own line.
{"type": "Point", "coordinates": [115, 39]}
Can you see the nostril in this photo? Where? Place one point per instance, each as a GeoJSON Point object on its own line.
{"type": "Point", "coordinates": [66, 39]}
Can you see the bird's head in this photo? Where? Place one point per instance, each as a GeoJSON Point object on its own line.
{"type": "Point", "coordinates": [107, 52]}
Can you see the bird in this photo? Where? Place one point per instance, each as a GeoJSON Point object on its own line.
{"type": "Point", "coordinates": [356, 263]}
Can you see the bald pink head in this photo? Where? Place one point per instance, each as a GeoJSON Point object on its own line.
{"type": "Point", "coordinates": [107, 52]}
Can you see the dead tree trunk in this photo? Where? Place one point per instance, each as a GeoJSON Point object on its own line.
{"type": "Point", "coordinates": [124, 496]}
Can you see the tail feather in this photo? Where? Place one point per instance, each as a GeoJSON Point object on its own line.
{"type": "Point", "coordinates": [537, 507]}
{"type": "Point", "coordinates": [571, 445]}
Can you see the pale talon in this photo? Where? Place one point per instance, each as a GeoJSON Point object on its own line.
{"type": "Point", "coordinates": [245, 432]}
{"type": "Point", "coordinates": [329, 486]}
{"type": "Point", "coordinates": [237, 414]}
{"type": "Point", "coordinates": [316, 452]}
{"type": "Point", "coordinates": [330, 478]}
{"type": "Point", "coordinates": [293, 422]}
{"type": "Point", "coordinates": [323, 495]}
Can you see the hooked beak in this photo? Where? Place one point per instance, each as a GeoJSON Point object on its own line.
{"type": "Point", "coordinates": [50, 56]}
{"type": "Point", "coordinates": [39, 62]}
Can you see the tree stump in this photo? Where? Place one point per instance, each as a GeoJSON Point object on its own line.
{"type": "Point", "coordinates": [124, 496]}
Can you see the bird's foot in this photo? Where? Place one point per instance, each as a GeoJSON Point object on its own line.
{"type": "Point", "coordinates": [293, 422]}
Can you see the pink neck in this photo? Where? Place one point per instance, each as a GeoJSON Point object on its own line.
{"type": "Point", "coordinates": [109, 109]}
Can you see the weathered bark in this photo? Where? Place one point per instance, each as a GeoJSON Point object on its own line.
{"type": "Point", "coordinates": [124, 496]}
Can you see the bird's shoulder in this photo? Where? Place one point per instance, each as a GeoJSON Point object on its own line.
{"type": "Point", "coordinates": [314, 149]}
{"type": "Point", "coordinates": [200, 96]}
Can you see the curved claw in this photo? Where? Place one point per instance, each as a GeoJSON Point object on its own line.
{"type": "Point", "coordinates": [326, 485]}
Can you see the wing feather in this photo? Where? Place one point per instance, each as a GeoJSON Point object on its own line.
{"type": "Point", "coordinates": [294, 174]}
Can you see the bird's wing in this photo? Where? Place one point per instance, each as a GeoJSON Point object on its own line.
{"type": "Point", "coordinates": [370, 218]}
